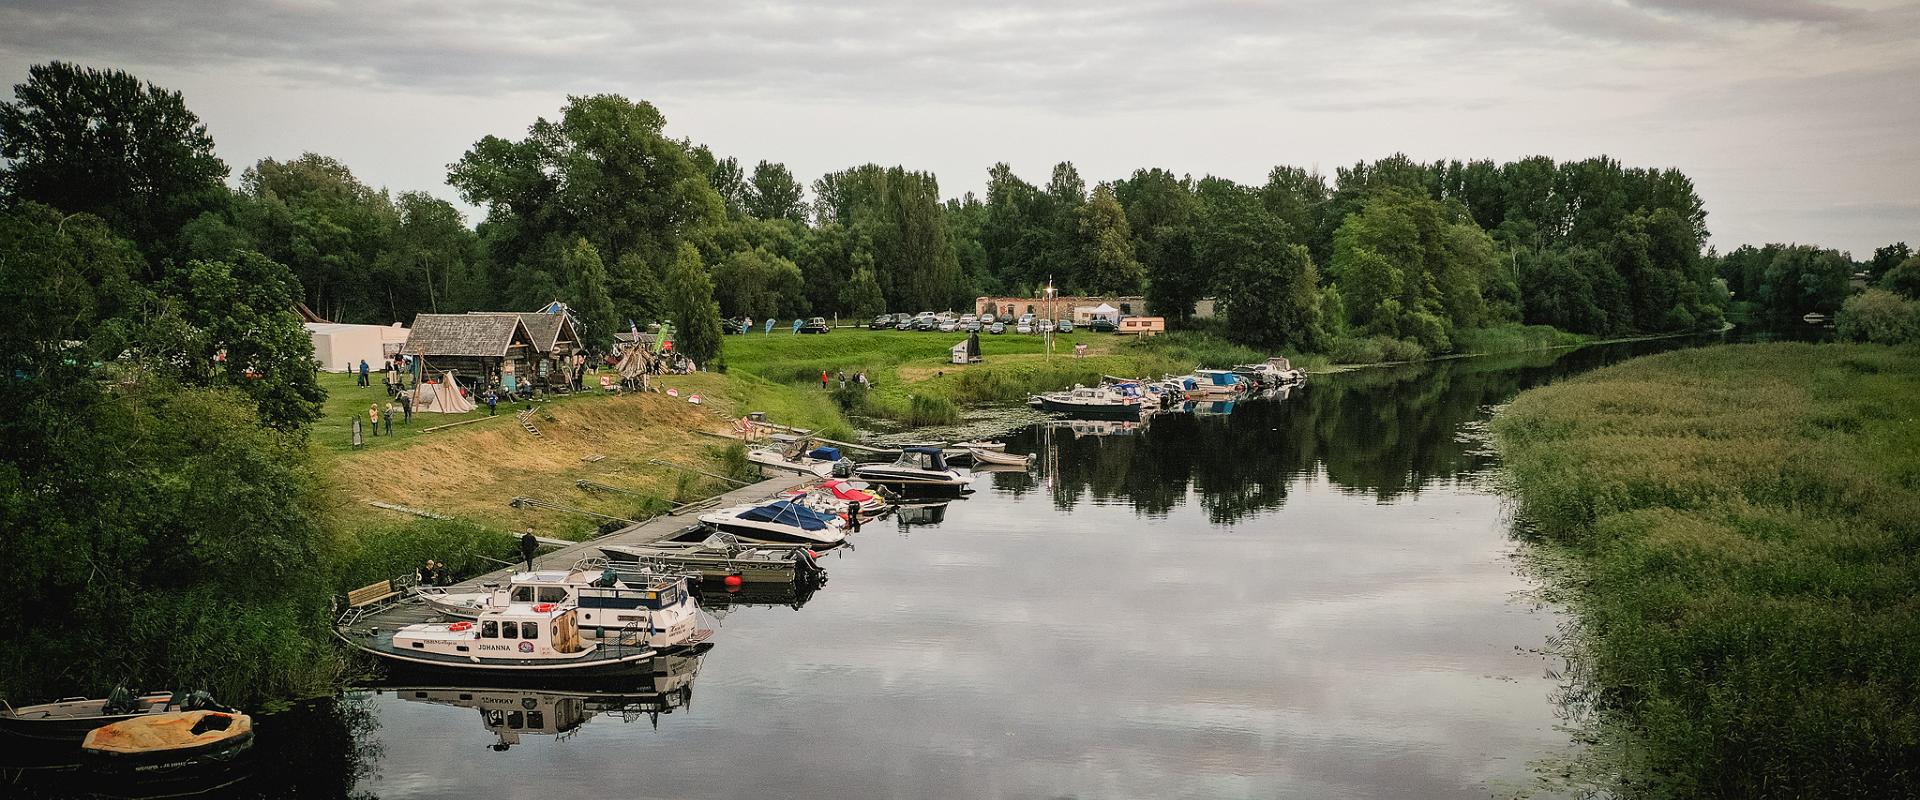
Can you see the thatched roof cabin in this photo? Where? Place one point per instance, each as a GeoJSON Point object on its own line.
{"type": "Point", "coordinates": [469, 336]}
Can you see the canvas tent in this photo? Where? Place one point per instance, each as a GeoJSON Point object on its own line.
{"type": "Point", "coordinates": [1085, 315]}
{"type": "Point", "coordinates": [340, 347]}
{"type": "Point", "coordinates": [443, 397]}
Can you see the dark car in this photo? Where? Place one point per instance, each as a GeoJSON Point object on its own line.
{"type": "Point", "coordinates": [926, 323]}
{"type": "Point", "coordinates": [1103, 325]}
{"type": "Point", "coordinates": [882, 322]}
{"type": "Point", "coordinates": [998, 327]}
{"type": "Point", "coordinates": [905, 323]}
{"type": "Point", "coordinates": [1066, 326]}
{"type": "Point", "coordinates": [815, 325]}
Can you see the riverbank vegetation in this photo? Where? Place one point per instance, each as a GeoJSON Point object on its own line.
{"type": "Point", "coordinates": [1743, 523]}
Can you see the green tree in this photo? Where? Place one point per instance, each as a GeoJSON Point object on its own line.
{"type": "Point", "coordinates": [104, 143]}
{"type": "Point", "coordinates": [1268, 287]}
{"type": "Point", "coordinates": [331, 229]}
{"type": "Point", "coordinates": [1885, 259]}
{"type": "Point", "coordinates": [772, 193]}
{"type": "Point", "coordinates": [862, 297]}
{"type": "Point", "coordinates": [1160, 212]}
{"type": "Point", "coordinates": [696, 317]}
{"type": "Point", "coordinates": [1879, 316]}
{"type": "Point", "coordinates": [1107, 245]}
{"type": "Point", "coordinates": [429, 252]}
{"type": "Point", "coordinates": [232, 324]}
{"type": "Point", "coordinates": [589, 299]}
{"type": "Point", "coordinates": [636, 291]}
{"type": "Point", "coordinates": [1904, 279]}
{"type": "Point", "coordinates": [757, 283]}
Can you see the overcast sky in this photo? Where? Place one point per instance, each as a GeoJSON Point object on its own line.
{"type": "Point", "coordinates": [1799, 120]}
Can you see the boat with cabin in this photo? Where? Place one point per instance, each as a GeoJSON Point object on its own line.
{"type": "Point", "coordinates": [837, 494]}
{"type": "Point", "coordinates": [778, 522]}
{"type": "Point", "coordinates": [532, 639]}
{"type": "Point", "coordinates": [1092, 402]}
{"type": "Point", "coordinates": [922, 469]}
{"type": "Point", "coordinates": [1272, 373]}
{"type": "Point", "coordinates": [613, 603]}
{"type": "Point", "coordinates": [723, 555]}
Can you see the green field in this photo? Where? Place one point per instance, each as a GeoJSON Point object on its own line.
{"type": "Point", "coordinates": [1742, 530]}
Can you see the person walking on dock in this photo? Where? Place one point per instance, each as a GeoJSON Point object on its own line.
{"type": "Point", "coordinates": [529, 546]}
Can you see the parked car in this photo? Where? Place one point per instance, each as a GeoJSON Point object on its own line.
{"type": "Point", "coordinates": [815, 325]}
{"type": "Point", "coordinates": [973, 326]}
{"type": "Point", "coordinates": [1043, 326]}
{"type": "Point", "coordinates": [882, 322]}
{"type": "Point", "coordinates": [1025, 319]}
{"type": "Point", "coordinates": [997, 328]}
{"type": "Point", "coordinates": [987, 319]}
{"type": "Point", "coordinates": [969, 319]}
{"type": "Point", "coordinates": [925, 322]}
{"type": "Point", "coordinates": [1103, 325]}
{"type": "Point", "coordinates": [1024, 327]}
{"type": "Point", "coordinates": [1066, 326]}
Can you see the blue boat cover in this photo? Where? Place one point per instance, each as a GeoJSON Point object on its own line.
{"type": "Point", "coordinates": [788, 513]}
{"type": "Point", "coordinates": [825, 453]}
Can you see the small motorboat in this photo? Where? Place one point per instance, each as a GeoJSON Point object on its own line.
{"type": "Point", "coordinates": [69, 719]}
{"type": "Point", "coordinates": [168, 741]}
{"type": "Point", "coordinates": [1273, 372]}
{"type": "Point", "coordinates": [723, 555]}
{"type": "Point", "coordinates": [778, 459]}
{"type": "Point", "coordinates": [918, 468]}
{"type": "Point", "coordinates": [659, 605]}
{"type": "Point", "coordinates": [779, 522]}
{"type": "Point", "coordinates": [1096, 402]}
{"type": "Point", "coordinates": [541, 639]}
{"type": "Point", "coordinates": [1001, 459]}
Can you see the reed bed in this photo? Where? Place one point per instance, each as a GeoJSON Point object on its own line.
{"type": "Point", "coordinates": [1744, 528]}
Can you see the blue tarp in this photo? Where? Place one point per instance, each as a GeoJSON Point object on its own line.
{"type": "Point", "coordinates": [825, 453]}
{"type": "Point", "coordinates": [787, 513]}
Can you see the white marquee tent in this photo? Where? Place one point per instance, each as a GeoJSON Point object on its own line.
{"type": "Point", "coordinates": [340, 347]}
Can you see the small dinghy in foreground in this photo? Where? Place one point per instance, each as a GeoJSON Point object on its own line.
{"type": "Point", "coordinates": [70, 719]}
{"type": "Point", "coordinates": [168, 741]}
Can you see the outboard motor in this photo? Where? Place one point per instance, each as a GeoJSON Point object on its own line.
{"type": "Point", "coordinates": [807, 569]}
{"type": "Point", "coordinates": [843, 468]}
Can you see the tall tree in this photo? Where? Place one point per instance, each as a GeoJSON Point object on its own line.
{"type": "Point", "coordinates": [1160, 213]}
{"type": "Point", "coordinates": [314, 216]}
{"type": "Point", "coordinates": [232, 324]}
{"type": "Point", "coordinates": [1107, 247]}
{"type": "Point", "coordinates": [1885, 259]}
{"type": "Point", "coordinates": [696, 317]}
{"type": "Point", "coordinates": [1268, 286]}
{"type": "Point", "coordinates": [588, 296]}
{"type": "Point", "coordinates": [772, 193]}
{"type": "Point", "coordinates": [104, 143]}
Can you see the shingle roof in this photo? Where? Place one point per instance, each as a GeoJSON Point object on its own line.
{"type": "Point", "coordinates": [544, 328]}
{"type": "Point", "coordinates": [466, 334]}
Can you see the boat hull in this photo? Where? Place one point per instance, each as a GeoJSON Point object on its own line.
{"type": "Point", "coordinates": [606, 660]}
{"type": "Point", "coordinates": [68, 728]}
{"type": "Point", "coordinates": [713, 567]}
{"type": "Point", "coordinates": [749, 533]}
{"type": "Point", "coordinates": [1090, 410]}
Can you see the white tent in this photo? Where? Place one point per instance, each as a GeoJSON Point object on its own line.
{"type": "Point", "coordinates": [443, 397]}
{"type": "Point", "coordinates": [1083, 315]}
{"type": "Point", "coordinates": [340, 347]}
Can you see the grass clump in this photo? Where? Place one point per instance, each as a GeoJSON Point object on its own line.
{"type": "Point", "coordinates": [1745, 523]}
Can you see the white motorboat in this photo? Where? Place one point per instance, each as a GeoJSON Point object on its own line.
{"type": "Point", "coordinates": [659, 606]}
{"type": "Point", "coordinates": [835, 495]}
{"type": "Point", "coordinates": [522, 639]}
{"type": "Point", "coordinates": [780, 522]}
{"type": "Point", "coordinates": [917, 468]}
{"type": "Point", "coordinates": [1271, 373]}
{"type": "Point", "coordinates": [1095, 402]}
{"type": "Point", "coordinates": [1001, 459]}
{"type": "Point", "coordinates": [769, 457]}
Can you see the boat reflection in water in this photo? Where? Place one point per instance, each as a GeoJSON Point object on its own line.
{"type": "Point", "coordinates": [718, 601]}
{"type": "Point", "coordinates": [909, 515]}
{"type": "Point", "coordinates": [511, 712]}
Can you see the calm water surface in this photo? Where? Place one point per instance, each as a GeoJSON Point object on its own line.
{"type": "Point", "coordinates": [1313, 596]}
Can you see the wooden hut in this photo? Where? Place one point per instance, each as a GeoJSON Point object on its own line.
{"type": "Point", "coordinates": [478, 347]}
{"type": "Point", "coordinates": [556, 344]}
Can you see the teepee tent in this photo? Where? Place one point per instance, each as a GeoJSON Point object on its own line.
{"type": "Point", "coordinates": [443, 397]}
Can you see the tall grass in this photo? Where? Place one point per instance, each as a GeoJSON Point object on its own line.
{"type": "Point", "coordinates": [1745, 525]}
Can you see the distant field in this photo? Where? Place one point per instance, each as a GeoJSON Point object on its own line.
{"type": "Point", "coordinates": [1743, 525]}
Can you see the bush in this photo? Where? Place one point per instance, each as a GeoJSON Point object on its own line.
{"type": "Point", "coordinates": [1374, 350]}
{"type": "Point", "coordinates": [924, 411]}
{"type": "Point", "coordinates": [379, 552]}
{"type": "Point", "coordinates": [1879, 316]}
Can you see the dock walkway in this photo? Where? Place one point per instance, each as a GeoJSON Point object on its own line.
{"type": "Point", "coordinates": [662, 527]}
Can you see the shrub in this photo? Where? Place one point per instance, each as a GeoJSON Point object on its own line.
{"type": "Point", "coordinates": [925, 410]}
{"type": "Point", "coordinates": [1881, 317]}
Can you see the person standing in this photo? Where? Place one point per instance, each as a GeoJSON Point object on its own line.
{"type": "Point", "coordinates": [363, 374]}
{"type": "Point", "coordinates": [406, 408]}
{"type": "Point", "coordinates": [386, 417]}
{"type": "Point", "coordinates": [373, 418]}
{"type": "Point", "coordinates": [493, 402]}
{"type": "Point", "coordinates": [823, 380]}
{"type": "Point", "coordinates": [528, 547]}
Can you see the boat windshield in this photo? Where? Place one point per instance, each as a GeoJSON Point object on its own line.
{"type": "Point", "coordinates": [923, 458]}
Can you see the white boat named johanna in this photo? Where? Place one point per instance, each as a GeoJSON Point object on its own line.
{"type": "Point", "coordinates": [522, 639]}
{"type": "Point", "coordinates": [658, 608]}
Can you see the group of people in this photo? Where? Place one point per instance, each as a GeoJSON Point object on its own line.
{"type": "Point", "coordinates": [396, 370]}
{"type": "Point", "coordinates": [432, 573]}
{"type": "Point", "coordinates": [401, 406]}
{"type": "Point", "coordinates": [859, 379]}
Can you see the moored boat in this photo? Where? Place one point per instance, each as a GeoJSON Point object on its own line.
{"type": "Point", "coordinates": [1096, 402]}
{"type": "Point", "coordinates": [169, 741]}
{"type": "Point", "coordinates": [989, 457]}
{"type": "Point", "coordinates": [659, 607]}
{"type": "Point", "coordinates": [70, 719]}
{"type": "Point", "coordinates": [723, 555]}
{"type": "Point", "coordinates": [836, 494]}
{"type": "Point", "coordinates": [917, 468]}
{"type": "Point", "coordinates": [538, 639]}
{"type": "Point", "coordinates": [780, 522]}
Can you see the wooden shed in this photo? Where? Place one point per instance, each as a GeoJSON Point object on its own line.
{"type": "Point", "coordinates": [478, 347]}
{"type": "Point", "coordinates": [556, 343]}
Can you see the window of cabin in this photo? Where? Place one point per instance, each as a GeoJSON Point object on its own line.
{"type": "Point", "coordinates": [509, 630]}
{"type": "Point", "coordinates": [536, 720]}
{"type": "Point", "coordinates": [489, 630]}
{"type": "Point", "coordinates": [553, 594]}
{"type": "Point", "coordinates": [515, 721]}
{"type": "Point", "coordinates": [529, 630]}
{"type": "Point", "coordinates": [523, 594]}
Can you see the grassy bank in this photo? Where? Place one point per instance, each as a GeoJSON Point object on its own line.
{"type": "Point", "coordinates": [1743, 526]}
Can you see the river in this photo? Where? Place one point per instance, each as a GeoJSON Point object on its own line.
{"type": "Point", "coordinates": [1314, 596]}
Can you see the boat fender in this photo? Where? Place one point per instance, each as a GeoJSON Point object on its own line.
{"type": "Point", "coordinates": [542, 608]}
{"type": "Point", "coordinates": [460, 626]}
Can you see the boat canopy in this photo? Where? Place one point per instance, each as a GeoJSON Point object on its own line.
{"type": "Point", "coordinates": [787, 513]}
{"type": "Point", "coordinates": [825, 453]}
{"type": "Point", "coordinates": [923, 457]}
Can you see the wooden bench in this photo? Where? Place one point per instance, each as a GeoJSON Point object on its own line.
{"type": "Point", "coordinates": [372, 594]}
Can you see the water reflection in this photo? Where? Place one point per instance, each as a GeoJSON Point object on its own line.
{"type": "Point", "coordinates": [510, 713]}
{"type": "Point", "coordinates": [1384, 432]}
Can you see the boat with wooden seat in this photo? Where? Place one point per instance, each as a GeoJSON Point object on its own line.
{"type": "Point", "coordinates": [522, 639]}
{"type": "Point", "coordinates": [722, 555]}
